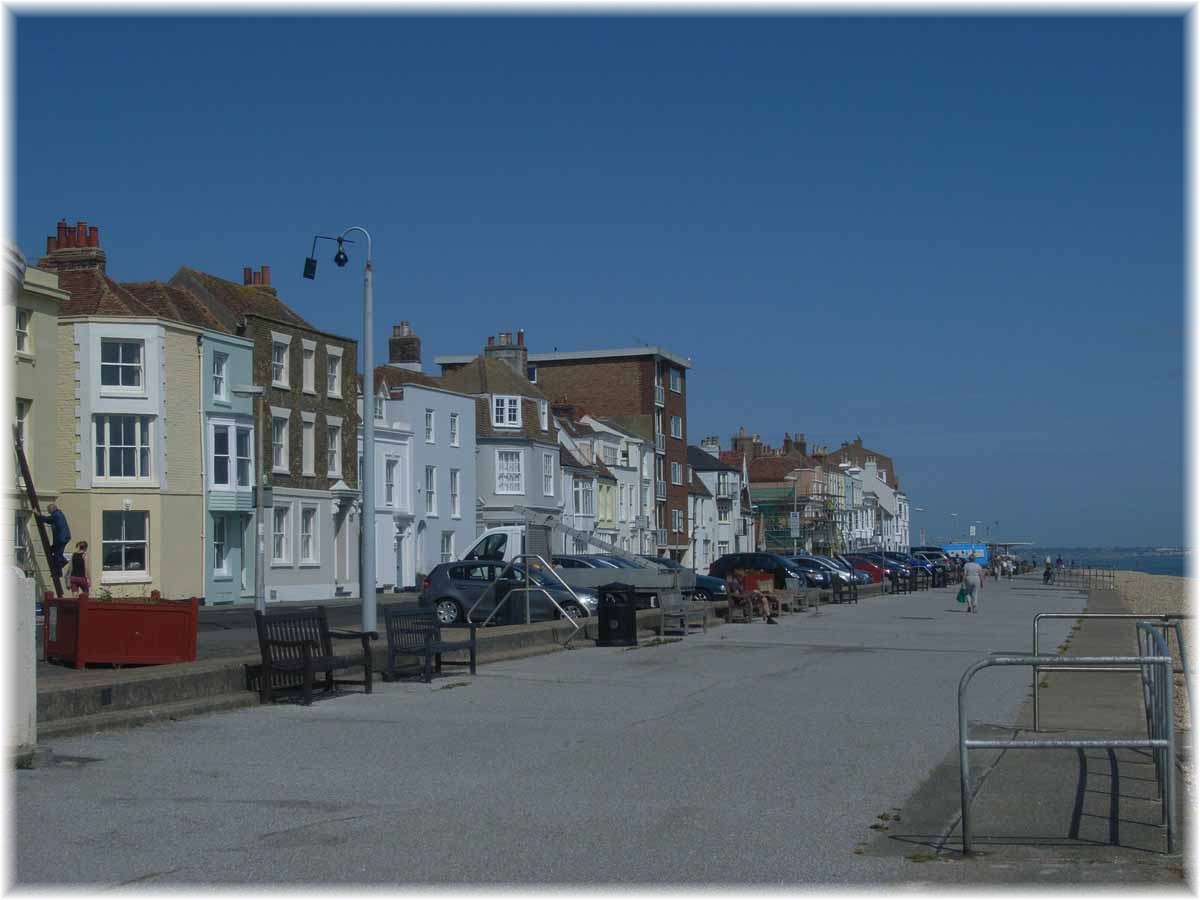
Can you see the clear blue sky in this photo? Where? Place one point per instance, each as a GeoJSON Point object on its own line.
{"type": "Point", "coordinates": [961, 238]}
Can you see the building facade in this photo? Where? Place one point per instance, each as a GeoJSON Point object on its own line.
{"type": "Point", "coordinates": [631, 462]}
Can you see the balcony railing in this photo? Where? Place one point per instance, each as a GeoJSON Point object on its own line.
{"type": "Point", "coordinates": [660, 396]}
{"type": "Point", "coordinates": [660, 443]}
{"type": "Point", "coordinates": [660, 490]}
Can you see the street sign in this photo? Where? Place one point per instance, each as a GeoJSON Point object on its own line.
{"type": "Point", "coordinates": [794, 522]}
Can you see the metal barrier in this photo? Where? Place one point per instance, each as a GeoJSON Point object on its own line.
{"type": "Point", "coordinates": [1171, 620]}
{"type": "Point", "coordinates": [1157, 683]}
{"type": "Point", "coordinates": [530, 586]}
{"type": "Point", "coordinates": [1086, 577]}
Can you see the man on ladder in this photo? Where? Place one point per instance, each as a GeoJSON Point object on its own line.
{"type": "Point", "coordinates": [60, 537]}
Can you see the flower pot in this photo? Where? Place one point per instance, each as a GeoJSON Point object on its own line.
{"type": "Point", "coordinates": [131, 630]}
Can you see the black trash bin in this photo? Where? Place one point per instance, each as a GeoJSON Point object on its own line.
{"type": "Point", "coordinates": [617, 616]}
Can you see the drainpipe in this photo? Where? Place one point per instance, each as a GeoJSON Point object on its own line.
{"type": "Point", "coordinates": [203, 460]}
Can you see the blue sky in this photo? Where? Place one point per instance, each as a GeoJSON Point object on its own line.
{"type": "Point", "coordinates": [960, 238]}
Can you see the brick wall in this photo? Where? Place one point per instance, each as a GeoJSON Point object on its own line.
{"type": "Point", "coordinates": [181, 402]}
{"type": "Point", "coordinates": [66, 403]}
{"type": "Point", "coordinates": [294, 398]}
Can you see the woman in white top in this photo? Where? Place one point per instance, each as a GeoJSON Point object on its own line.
{"type": "Point", "coordinates": [973, 582]}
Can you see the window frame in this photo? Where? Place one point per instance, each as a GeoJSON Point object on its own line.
{"type": "Point", "coordinates": [430, 426]}
{"type": "Point", "coordinates": [147, 477]}
{"type": "Point", "coordinates": [505, 404]}
{"type": "Point", "coordinates": [676, 467]}
{"type": "Point", "coordinates": [431, 507]}
{"type": "Point", "coordinates": [278, 414]}
{"type": "Point", "coordinates": [548, 473]}
{"type": "Point", "coordinates": [456, 493]}
{"type": "Point", "coordinates": [308, 366]}
{"type": "Point", "coordinates": [544, 415]}
{"type": "Point", "coordinates": [219, 528]}
{"type": "Point", "coordinates": [676, 378]}
{"type": "Point", "coordinates": [677, 427]}
{"type": "Point", "coordinates": [123, 574]}
{"type": "Point", "coordinates": [520, 456]}
{"type": "Point", "coordinates": [281, 536]}
{"type": "Point", "coordinates": [446, 553]}
{"type": "Point", "coordinates": [333, 355]}
{"type": "Point", "coordinates": [124, 390]}
{"type": "Point", "coordinates": [220, 373]}
{"type": "Point", "coordinates": [333, 446]}
{"type": "Point", "coordinates": [285, 341]}
{"type": "Point", "coordinates": [24, 346]}
{"type": "Point", "coordinates": [454, 441]}
{"type": "Point", "coordinates": [308, 444]}
{"type": "Point", "coordinates": [314, 536]}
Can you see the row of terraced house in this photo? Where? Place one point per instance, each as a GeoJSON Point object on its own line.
{"type": "Point", "coordinates": [151, 412]}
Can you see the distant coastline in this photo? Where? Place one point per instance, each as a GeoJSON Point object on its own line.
{"type": "Point", "coordinates": [1151, 560]}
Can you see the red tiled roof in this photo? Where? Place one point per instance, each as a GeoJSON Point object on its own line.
{"type": "Point", "coordinates": [175, 303]}
{"type": "Point", "coordinates": [240, 300]}
{"type": "Point", "coordinates": [95, 294]}
{"type": "Point", "coordinates": [774, 468]}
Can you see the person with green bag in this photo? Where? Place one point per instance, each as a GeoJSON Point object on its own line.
{"type": "Point", "coordinates": [972, 584]}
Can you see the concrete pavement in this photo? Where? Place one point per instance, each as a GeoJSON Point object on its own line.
{"type": "Point", "coordinates": [752, 754]}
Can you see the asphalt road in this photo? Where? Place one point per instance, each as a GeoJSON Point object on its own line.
{"type": "Point", "coordinates": [752, 754]}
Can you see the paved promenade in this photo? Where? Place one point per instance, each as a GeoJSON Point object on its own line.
{"type": "Point", "coordinates": [809, 753]}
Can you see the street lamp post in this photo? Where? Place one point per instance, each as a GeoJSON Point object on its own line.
{"type": "Point", "coordinates": [367, 580]}
{"type": "Point", "coordinates": [258, 392]}
{"type": "Point", "coordinates": [792, 524]}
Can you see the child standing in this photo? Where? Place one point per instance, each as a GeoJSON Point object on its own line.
{"type": "Point", "coordinates": [79, 579]}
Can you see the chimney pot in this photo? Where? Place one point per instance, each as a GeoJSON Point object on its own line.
{"type": "Point", "coordinates": [520, 337]}
{"type": "Point", "coordinates": [505, 338]}
{"type": "Point", "coordinates": [491, 341]}
{"type": "Point", "coordinates": [396, 331]}
{"type": "Point", "coordinates": [62, 232]}
{"type": "Point", "coordinates": [51, 244]}
{"type": "Point", "coordinates": [93, 236]}
{"type": "Point", "coordinates": [266, 276]}
{"type": "Point", "coordinates": [247, 277]}
{"type": "Point", "coordinates": [81, 233]}
{"type": "Point", "coordinates": [404, 329]}
{"type": "Point", "coordinates": [256, 277]}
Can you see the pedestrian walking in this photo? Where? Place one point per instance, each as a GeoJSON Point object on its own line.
{"type": "Point", "coordinates": [973, 582]}
{"type": "Point", "coordinates": [60, 533]}
{"type": "Point", "coordinates": [79, 580]}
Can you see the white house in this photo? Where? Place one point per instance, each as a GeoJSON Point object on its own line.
{"type": "Point", "coordinates": [630, 459]}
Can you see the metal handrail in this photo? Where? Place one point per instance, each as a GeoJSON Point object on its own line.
{"type": "Point", "coordinates": [528, 588]}
{"type": "Point", "coordinates": [1159, 699]}
{"type": "Point", "coordinates": [1169, 620]}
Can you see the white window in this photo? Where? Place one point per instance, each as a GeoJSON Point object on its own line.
{"type": "Point", "coordinates": [453, 429]}
{"type": "Point", "coordinates": [334, 369]}
{"type": "Point", "coordinates": [379, 408]}
{"type": "Point", "coordinates": [244, 458]}
{"type": "Point", "coordinates": [609, 454]}
{"type": "Point", "coordinates": [722, 548]}
{"type": "Point", "coordinates": [335, 449]}
{"type": "Point", "coordinates": [389, 482]}
{"type": "Point", "coordinates": [506, 412]}
{"type": "Point", "coordinates": [23, 345]}
{"type": "Point", "coordinates": [279, 363]}
{"type": "Point", "coordinates": [123, 541]}
{"type": "Point", "coordinates": [308, 366]}
{"type": "Point", "coordinates": [123, 447]}
{"type": "Point", "coordinates": [676, 473]}
{"type": "Point", "coordinates": [584, 500]}
{"type": "Point", "coordinates": [279, 442]}
{"type": "Point", "coordinates": [544, 415]}
{"type": "Point", "coordinates": [429, 426]}
{"type": "Point", "coordinates": [220, 363]}
{"type": "Point", "coordinates": [281, 515]}
{"type": "Point", "coordinates": [723, 512]}
{"type": "Point", "coordinates": [218, 533]}
{"type": "Point", "coordinates": [447, 546]}
{"type": "Point", "coordinates": [531, 373]}
{"type": "Point", "coordinates": [20, 540]}
{"type": "Point", "coordinates": [222, 456]}
{"type": "Point", "coordinates": [548, 474]}
{"type": "Point", "coordinates": [510, 477]}
{"type": "Point", "coordinates": [677, 520]}
{"type": "Point", "coordinates": [620, 503]}
{"type": "Point", "coordinates": [676, 381]}
{"type": "Point", "coordinates": [455, 491]}
{"type": "Point", "coordinates": [308, 534]}
{"type": "Point", "coordinates": [22, 418]}
{"type": "Point", "coordinates": [431, 490]}
{"type": "Point", "coordinates": [676, 427]}
{"type": "Point", "coordinates": [121, 366]}
{"type": "Point", "coordinates": [308, 445]}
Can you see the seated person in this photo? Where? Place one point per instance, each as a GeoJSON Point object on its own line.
{"type": "Point", "coordinates": [735, 584]}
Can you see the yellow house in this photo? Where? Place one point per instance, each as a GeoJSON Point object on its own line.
{"type": "Point", "coordinates": [129, 449]}
{"type": "Point", "coordinates": [37, 300]}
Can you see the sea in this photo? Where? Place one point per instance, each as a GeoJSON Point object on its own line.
{"type": "Point", "coordinates": [1152, 560]}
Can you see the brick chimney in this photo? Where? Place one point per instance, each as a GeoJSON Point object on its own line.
{"type": "Point", "coordinates": [513, 354]}
{"type": "Point", "coordinates": [260, 279]}
{"type": "Point", "coordinates": [404, 348]}
{"type": "Point", "coordinates": [73, 247]}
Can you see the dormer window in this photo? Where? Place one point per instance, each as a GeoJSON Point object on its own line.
{"type": "Point", "coordinates": [506, 412]}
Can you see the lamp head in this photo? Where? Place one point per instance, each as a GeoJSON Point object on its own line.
{"type": "Point", "coordinates": [340, 258]}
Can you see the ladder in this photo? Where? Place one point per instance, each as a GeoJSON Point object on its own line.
{"type": "Point", "coordinates": [37, 511]}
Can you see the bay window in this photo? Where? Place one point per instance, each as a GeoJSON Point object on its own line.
{"type": "Point", "coordinates": [510, 479]}
{"type": "Point", "coordinates": [122, 447]}
{"type": "Point", "coordinates": [121, 365]}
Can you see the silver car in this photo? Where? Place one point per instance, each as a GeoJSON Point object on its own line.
{"type": "Point", "coordinates": [452, 589]}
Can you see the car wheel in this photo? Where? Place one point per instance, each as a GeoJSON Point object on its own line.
{"type": "Point", "coordinates": [448, 611]}
{"type": "Point", "coordinates": [701, 596]}
{"type": "Point", "coordinates": [575, 611]}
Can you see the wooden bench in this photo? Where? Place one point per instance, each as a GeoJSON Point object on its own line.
{"type": "Point", "coordinates": [845, 593]}
{"type": "Point", "coordinates": [417, 632]}
{"type": "Point", "coordinates": [297, 644]}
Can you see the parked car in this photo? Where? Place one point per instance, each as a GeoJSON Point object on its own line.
{"type": "Point", "coordinates": [889, 565]}
{"type": "Point", "coordinates": [907, 559]}
{"type": "Point", "coordinates": [843, 572]}
{"type": "Point", "coordinates": [583, 561]}
{"type": "Point", "coordinates": [772, 563]}
{"type": "Point", "coordinates": [453, 588]}
{"type": "Point", "coordinates": [816, 573]}
{"type": "Point", "coordinates": [707, 587]}
{"type": "Point", "coordinates": [873, 570]}
{"type": "Point", "coordinates": [859, 576]}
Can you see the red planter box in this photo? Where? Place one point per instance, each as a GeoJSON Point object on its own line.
{"type": "Point", "coordinates": [78, 631]}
